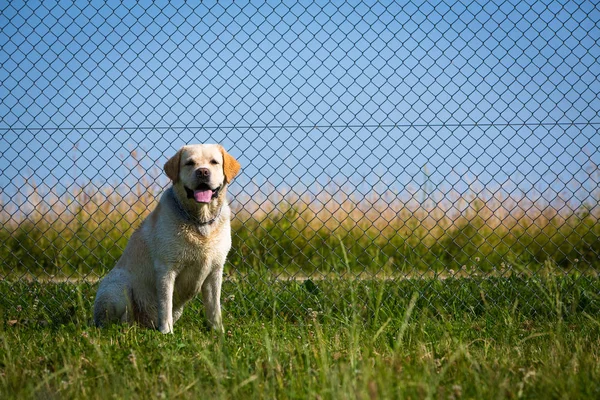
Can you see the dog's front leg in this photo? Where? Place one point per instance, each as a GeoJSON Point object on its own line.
{"type": "Point", "coordinates": [211, 296]}
{"type": "Point", "coordinates": [165, 283]}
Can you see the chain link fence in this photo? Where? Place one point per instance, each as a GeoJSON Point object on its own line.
{"type": "Point", "coordinates": [405, 143]}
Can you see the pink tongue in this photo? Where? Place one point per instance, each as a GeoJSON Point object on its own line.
{"type": "Point", "coordinates": [203, 196]}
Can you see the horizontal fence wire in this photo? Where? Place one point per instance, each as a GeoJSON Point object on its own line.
{"type": "Point", "coordinates": [429, 146]}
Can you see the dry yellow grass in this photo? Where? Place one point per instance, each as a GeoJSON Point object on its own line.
{"type": "Point", "coordinates": [83, 231]}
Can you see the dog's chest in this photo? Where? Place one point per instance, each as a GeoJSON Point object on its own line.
{"type": "Point", "coordinates": [189, 280]}
{"type": "Point", "coordinates": [196, 258]}
{"type": "Point", "coordinates": [195, 250]}
{"type": "Point", "coordinates": [195, 261]}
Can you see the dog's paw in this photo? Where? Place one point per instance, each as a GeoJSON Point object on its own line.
{"type": "Point", "coordinates": [166, 329]}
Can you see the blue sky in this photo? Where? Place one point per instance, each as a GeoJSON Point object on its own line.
{"type": "Point", "coordinates": [368, 93]}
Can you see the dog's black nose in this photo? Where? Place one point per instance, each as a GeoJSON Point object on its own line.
{"type": "Point", "coordinates": [202, 173]}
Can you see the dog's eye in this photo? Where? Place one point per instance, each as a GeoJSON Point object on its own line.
{"type": "Point", "coordinates": [190, 162]}
{"type": "Point", "coordinates": [214, 162]}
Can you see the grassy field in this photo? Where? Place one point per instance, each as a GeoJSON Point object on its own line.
{"type": "Point", "coordinates": [468, 298]}
{"type": "Point", "coordinates": [515, 337]}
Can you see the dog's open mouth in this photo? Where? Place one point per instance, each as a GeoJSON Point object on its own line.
{"type": "Point", "coordinates": [203, 193]}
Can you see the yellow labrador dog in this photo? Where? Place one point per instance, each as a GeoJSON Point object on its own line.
{"type": "Point", "coordinates": [179, 250]}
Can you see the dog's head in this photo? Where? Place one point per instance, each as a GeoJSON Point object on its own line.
{"type": "Point", "coordinates": [201, 171]}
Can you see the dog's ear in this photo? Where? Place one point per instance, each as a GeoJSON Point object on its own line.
{"type": "Point", "coordinates": [172, 166]}
{"type": "Point", "coordinates": [231, 166]}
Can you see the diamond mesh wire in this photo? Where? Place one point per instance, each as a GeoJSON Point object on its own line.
{"type": "Point", "coordinates": [380, 141]}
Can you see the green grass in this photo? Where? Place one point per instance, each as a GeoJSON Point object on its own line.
{"type": "Point", "coordinates": [489, 302]}
{"type": "Point", "coordinates": [515, 337]}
